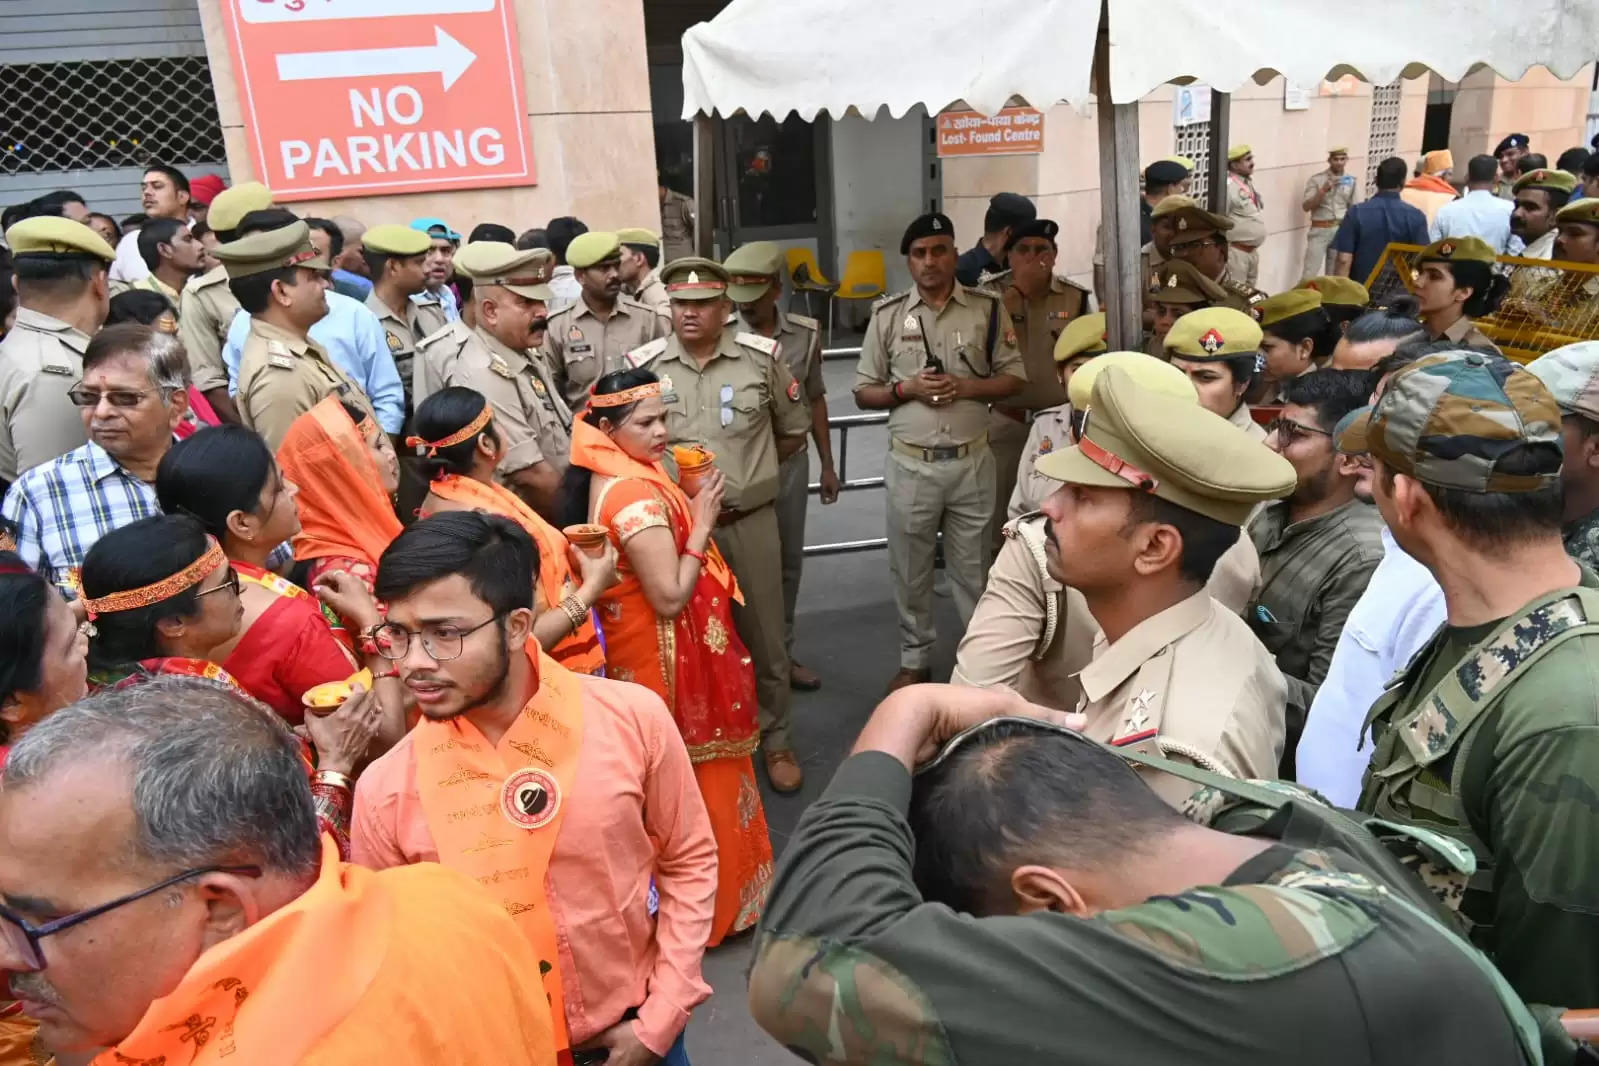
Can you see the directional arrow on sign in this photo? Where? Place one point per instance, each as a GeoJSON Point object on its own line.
{"type": "Point", "coordinates": [446, 56]}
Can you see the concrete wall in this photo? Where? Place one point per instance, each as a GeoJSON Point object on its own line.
{"type": "Point", "coordinates": [876, 187]}
{"type": "Point", "coordinates": [1551, 112]}
{"type": "Point", "coordinates": [589, 120]}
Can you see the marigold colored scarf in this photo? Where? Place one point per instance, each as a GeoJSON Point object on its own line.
{"type": "Point", "coordinates": [343, 509]}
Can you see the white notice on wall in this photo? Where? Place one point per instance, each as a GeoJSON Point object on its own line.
{"type": "Point", "coordinates": [1190, 104]}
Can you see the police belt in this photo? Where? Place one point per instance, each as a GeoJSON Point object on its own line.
{"type": "Point", "coordinates": [1323, 223]}
{"type": "Point", "coordinates": [1024, 415]}
{"type": "Point", "coordinates": [728, 515]}
{"type": "Point", "coordinates": [943, 453]}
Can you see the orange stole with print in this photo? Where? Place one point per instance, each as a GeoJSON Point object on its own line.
{"type": "Point", "coordinates": [579, 651]}
{"type": "Point", "coordinates": [495, 811]}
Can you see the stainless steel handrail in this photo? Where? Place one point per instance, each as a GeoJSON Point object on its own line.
{"type": "Point", "coordinates": [845, 423]}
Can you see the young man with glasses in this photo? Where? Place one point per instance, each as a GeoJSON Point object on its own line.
{"type": "Point", "coordinates": [130, 400]}
{"type": "Point", "coordinates": [974, 888]}
{"type": "Point", "coordinates": [164, 897]}
{"type": "Point", "coordinates": [1318, 547]}
{"type": "Point", "coordinates": [570, 798]}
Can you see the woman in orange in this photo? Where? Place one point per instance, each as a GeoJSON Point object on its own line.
{"type": "Point", "coordinates": [347, 474]}
{"type": "Point", "coordinates": [225, 478]}
{"type": "Point", "coordinates": [668, 623]}
{"type": "Point", "coordinates": [456, 427]}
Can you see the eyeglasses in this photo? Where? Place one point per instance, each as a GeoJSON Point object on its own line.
{"type": "Point", "coordinates": [82, 397]}
{"type": "Point", "coordinates": [1180, 250]}
{"type": "Point", "coordinates": [22, 938]}
{"type": "Point", "coordinates": [442, 643]}
{"type": "Point", "coordinates": [230, 582]}
{"type": "Point", "coordinates": [1290, 431]}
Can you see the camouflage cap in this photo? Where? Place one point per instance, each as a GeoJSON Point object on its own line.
{"type": "Point", "coordinates": [1571, 374]}
{"type": "Point", "coordinates": [1213, 333]}
{"type": "Point", "coordinates": [1178, 281]}
{"type": "Point", "coordinates": [1083, 335]}
{"type": "Point", "coordinates": [1338, 292]}
{"type": "Point", "coordinates": [1449, 420]}
{"type": "Point", "coordinates": [1458, 250]}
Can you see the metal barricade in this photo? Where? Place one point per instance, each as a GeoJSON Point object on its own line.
{"type": "Point", "coordinates": [845, 423]}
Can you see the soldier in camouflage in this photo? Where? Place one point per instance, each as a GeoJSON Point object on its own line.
{"type": "Point", "coordinates": [1025, 898]}
{"type": "Point", "coordinates": [1572, 376]}
{"type": "Point", "coordinates": [1491, 734]}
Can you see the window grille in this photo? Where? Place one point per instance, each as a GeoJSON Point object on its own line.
{"type": "Point", "coordinates": [110, 113]}
{"type": "Point", "coordinates": [1383, 140]}
{"type": "Point", "coordinates": [1193, 141]}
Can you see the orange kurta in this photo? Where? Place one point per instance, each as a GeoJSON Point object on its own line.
{"type": "Point", "coordinates": [407, 967]}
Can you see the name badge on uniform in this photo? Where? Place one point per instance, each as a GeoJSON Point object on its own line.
{"type": "Point", "coordinates": [55, 368]}
{"type": "Point", "coordinates": [500, 367]}
{"type": "Point", "coordinates": [727, 405]}
{"type": "Point", "coordinates": [282, 362]}
{"type": "Point", "coordinates": [580, 349]}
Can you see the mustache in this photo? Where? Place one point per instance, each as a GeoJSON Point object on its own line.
{"type": "Point", "coordinates": [538, 324]}
{"type": "Point", "coordinates": [33, 986]}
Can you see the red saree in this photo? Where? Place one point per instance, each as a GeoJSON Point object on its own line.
{"type": "Point", "coordinates": [581, 651]}
{"type": "Point", "coordinates": [695, 662]}
{"type": "Point", "coordinates": [288, 649]}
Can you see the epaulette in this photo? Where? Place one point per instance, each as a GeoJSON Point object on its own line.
{"type": "Point", "coordinates": [567, 310]}
{"type": "Point", "coordinates": [632, 302]}
{"type": "Point", "coordinates": [440, 334]}
{"type": "Point", "coordinates": [981, 291]}
{"type": "Point", "coordinates": [1070, 285]}
{"type": "Point", "coordinates": [756, 341]}
{"type": "Point", "coordinates": [644, 354]}
{"type": "Point", "coordinates": [806, 321]}
{"type": "Point", "coordinates": [214, 276]}
{"type": "Point", "coordinates": [893, 297]}
{"type": "Point", "coordinates": [1012, 528]}
{"type": "Point", "coordinates": [985, 279]}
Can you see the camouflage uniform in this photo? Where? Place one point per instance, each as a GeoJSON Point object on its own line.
{"type": "Point", "coordinates": [1571, 374]}
{"type": "Point", "coordinates": [851, 967]}
{"type": "Point", "coordinates": [1491, 734]}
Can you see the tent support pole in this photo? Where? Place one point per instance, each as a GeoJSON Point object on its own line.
{"type": "Point", "coordinates": [1118, 184]}
{"type": "Point", "coordinates": [1220, 141]}
{"type": "Point", "coordinates": [705, 219]}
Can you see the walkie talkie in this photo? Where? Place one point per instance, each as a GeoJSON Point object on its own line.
{"type": "Point", "coordinates": [934, 363]}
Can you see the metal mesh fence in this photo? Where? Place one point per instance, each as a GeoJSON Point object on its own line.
{"type": "Point", "coordinates": [109, 113]}
{"type": "Point", "coordinates": [1548, 304]}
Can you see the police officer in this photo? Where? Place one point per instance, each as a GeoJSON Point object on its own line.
{"type": "Point", "coordinates": [641, 268]}
{"type": "Point", "coordinates": [1489, 734]}
{"type": "Point", "coordinates": [1219, 349]}
{"type": "Point", "coordinates": [755, 284]}
{"type": "Point", "coordinates": [1021, 896]}
{"type": "Point", "coordinates": [935, 356]}
{"type": "Point", "coordinates": [498, 357]}
{"type": "Point", "coordinates": [731, 391]}
{"type": "Point", "coordinates": [63, 297]}
{"type": "Point", "coordinates": [396, 258]}
{"type": "Point", "coordinates": [207, 307]}
{"type": "Point", "coordinates": [1039, 305]}
{"type": "Point", "coordinates": [985, 260]}
{"type": "Point", "coordinates": [1244, 207]}
{"type": "Point", "coordinates": [587, 339]}
{"type": "Point", "coordinates": [1176, 289]}
{"type": "Point", "coordinates": [1081, 340]}
{"type": "Point", "coordinates": [281, 283]}
{"type": "Point", "coordinates": [1509, 152]}
{"type": "Point", "coordinates": [1328, 196]}
{"type": "Point", "coordinates": [1202, 238]}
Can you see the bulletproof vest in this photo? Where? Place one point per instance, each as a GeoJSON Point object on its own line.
{"type": "Point", "coordinates": [1299, 819]}
{"type": "Point", "coordinates": [1423, 742]}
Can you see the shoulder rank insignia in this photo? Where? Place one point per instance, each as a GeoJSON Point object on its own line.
{"type": "Point", "coordinates": [282, 362]}
{"type": "Point", "coordinates": [642, 355]}
{"type": "Point", "coordinates": [57, 368]}
{"type": "Point", "coordinates": [277, 348]}
{"type": "Point", "coordinates": [758, 342]}
{"type": "Point", "coordinates": [805, 322]}
{"type": "Point", "coordinates": [501, 367]}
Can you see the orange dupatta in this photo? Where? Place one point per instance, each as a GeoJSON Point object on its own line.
{"type": "Point", "coordinates": [343, 509]}
{"type": "Point", "coordinates": [579, 651]}
{"type": "Point", "coordinates": [596, 452]}
{"type": "Point", "coordinates": [495, 811]}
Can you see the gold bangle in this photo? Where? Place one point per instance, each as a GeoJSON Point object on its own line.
{"type": "Point", "coordinates": [575, 611]}
{"type": "Point", "coordinates": [334, 778]}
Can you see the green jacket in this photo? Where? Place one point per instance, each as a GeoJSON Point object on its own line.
{"type": "Point", "coordinates": [1298, 957]}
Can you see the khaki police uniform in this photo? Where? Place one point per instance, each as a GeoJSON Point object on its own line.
{"type": "Point", "coordinates": [677, 226]}
{"type": "Point", "coordinates": [535, 424]}
{"type": "Point", "coordinates": [1325, 217]}
{"type": "Point", "coordinates": [282, 374]}
{"type": "Point", "coordinates": [1081, 340]}
{"type": "Point", "coordinates": [1246, 209]}
{"type": "Point", "coordinates": [650, 291]}
{"type": "Point", "coordinates": [582, 345]}
{"type": "Point", "coordinates": [1193, 221]}
{"type": "Point", "coordinates": [1190, 682]}
{"type": "Point", "coordinates": [1214, 335]}
{"type": "Point", "coordinates": [939, 472]}
{"type": "Point", "coordinates": [405, 328]}
{"type": "Point", "coordinates": [737, 405]}
{"type": "Point", "coordinates": [42, 357]}
{"type": "Point", "coordinates": [206, 307]}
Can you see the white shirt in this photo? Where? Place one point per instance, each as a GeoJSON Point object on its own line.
{"type": "Point", "coordinates": [129, 265]}
{"type": "Point", "coordinates": [1398, 613]}
{"type": "Point", "coordinates": [565, 287]}
{"type": "Point", "coordinates": [1477, 214]}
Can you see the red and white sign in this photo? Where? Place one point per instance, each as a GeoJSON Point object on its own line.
{"type": "Point", "coordinates": [1013, 131]}
{"type": "Point", "coordinates": [361, 97]}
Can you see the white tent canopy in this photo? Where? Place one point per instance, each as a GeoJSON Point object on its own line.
{"type": "Point", "coordinates": [777, 56]}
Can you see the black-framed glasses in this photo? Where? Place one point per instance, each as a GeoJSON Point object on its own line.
{"type": "Point", "coordinates": [956, 742]}
{"type": "Point", "coordinates": [1290, 431]}
{"type": "Point", "coordinates": [1181, 250]}
{"type": "Point", "coordinates": [22, 937]}
{"type": "Point", "coordinates": [230, 582]}
{"type": "Point", "coordinates": [87, 397]}
{"type": "Point", "coordinates": [441, 642]}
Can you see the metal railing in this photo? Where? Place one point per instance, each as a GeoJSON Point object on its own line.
{"type": "Point", "coordinates": [845, 423]}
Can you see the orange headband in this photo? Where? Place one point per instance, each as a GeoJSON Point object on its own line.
{"type": "Point", "coordinates": [164, 589]}
{"type": "Point", "coordinates": [465, 433]}
{"type": "Point", "coordinates": [626, 396]}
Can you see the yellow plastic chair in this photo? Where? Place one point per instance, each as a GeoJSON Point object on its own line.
{"type": "Point", "coordinates": [806, 280]}
{"type": "Point", "coordinates": [865, 278]}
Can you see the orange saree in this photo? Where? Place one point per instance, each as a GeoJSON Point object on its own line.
{"type": "Point", "coordinates": [695, 662]}
{"type": "Point", "coordinates": [581, 651]}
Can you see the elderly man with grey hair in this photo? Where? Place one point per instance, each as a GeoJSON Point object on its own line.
{"type": "Point", "coordinates": [163, 895]}
{"type": "Point", "coordinates": [132, 398]}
